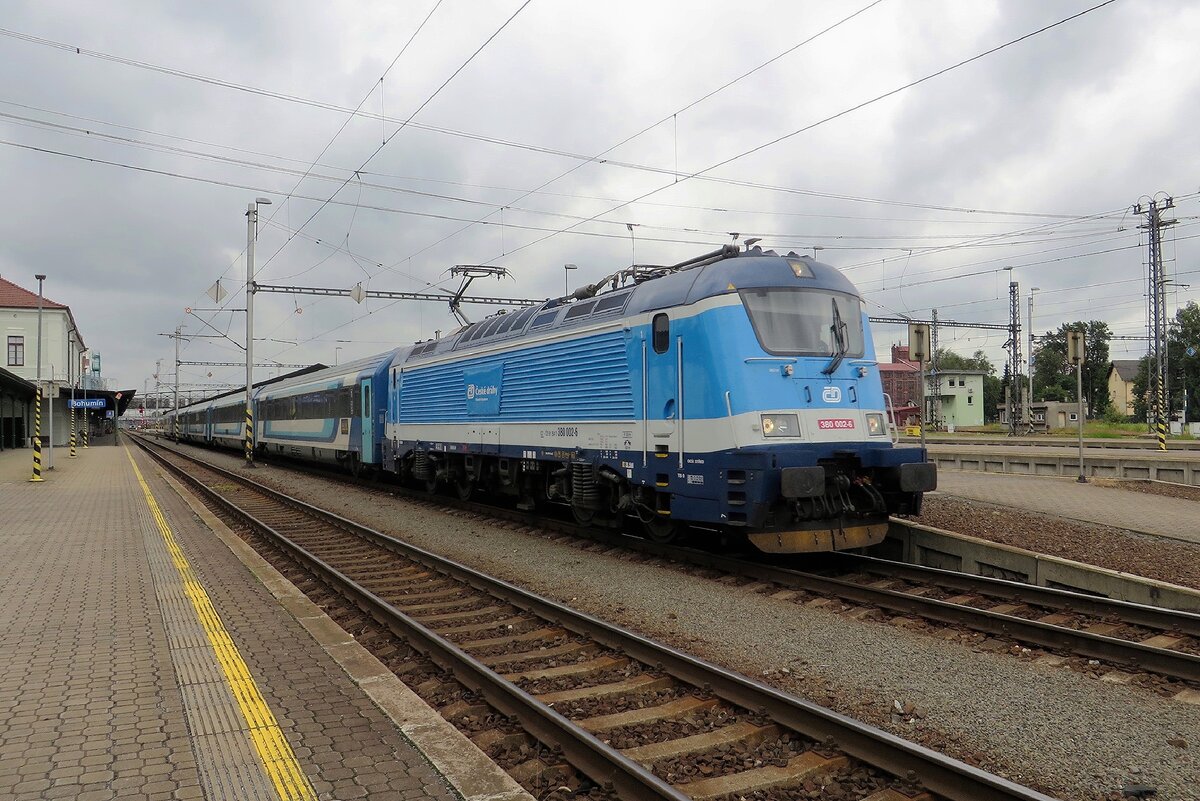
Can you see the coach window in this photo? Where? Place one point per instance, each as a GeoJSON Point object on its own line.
{"type": "Point", "coordinates": [662, 333]}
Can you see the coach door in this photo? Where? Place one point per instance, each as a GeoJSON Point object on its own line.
{"type": "Point", "coordinates": [367, 414]}
{"type": "Point", "coordinates": [663, 412]}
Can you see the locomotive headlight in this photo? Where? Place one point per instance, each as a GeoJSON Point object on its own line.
{"type": "Point", "coordinates": [780, 425]}
{"type": "Point", "coordinates": [875, 426]}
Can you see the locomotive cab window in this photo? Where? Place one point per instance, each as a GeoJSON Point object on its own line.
{"type": "Point", "coordinates": [805, 322]}
{"type": "Point", "coordinates": [661, 326]}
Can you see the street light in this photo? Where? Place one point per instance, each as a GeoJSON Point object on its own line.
{"type": "Point", "coordinates": [566, 270]}
{"type": "Point", "coordinates": [1032, 289]}
{"type": "Point", "coordinates": [251, 237]}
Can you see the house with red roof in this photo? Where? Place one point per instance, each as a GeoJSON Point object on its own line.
{"type": "Point", "coordinates": [62, 363]}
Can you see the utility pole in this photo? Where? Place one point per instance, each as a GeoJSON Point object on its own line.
{"type": "Point", "coordinates": [1156, 316]}
{"type": "Point", "coordinates": [37, 413]}
{"type": "Point", "coordinates": [251, 236]}
{"type": "Point", "coordinates": [1014, 353]}
{"type": "Point", "coordinates": [175, 416]}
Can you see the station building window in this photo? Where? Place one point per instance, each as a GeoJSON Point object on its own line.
{"type": "Point", "coordinates": [16, 351]}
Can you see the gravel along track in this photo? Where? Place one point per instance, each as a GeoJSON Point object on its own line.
{"type": "Point", "coordinates": [1061, 732]}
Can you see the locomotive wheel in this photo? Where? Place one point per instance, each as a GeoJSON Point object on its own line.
{"type": "Point", "coordinates": [463, 487]}
{"type": "Point", "coordinates": [431, 484]}
{"type": "Point", "coordinates": [662, 530]}
{"type": "Point", "coordinates": [355, 465]}
{"type": "Point", "coordinates": [584, 517]}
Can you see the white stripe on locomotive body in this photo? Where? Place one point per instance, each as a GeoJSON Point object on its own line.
{"type": "Point", "coordinates": [702, 436]}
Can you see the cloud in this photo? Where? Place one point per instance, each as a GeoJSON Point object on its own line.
{"type": "Point", "coordinates": [1083, 119]}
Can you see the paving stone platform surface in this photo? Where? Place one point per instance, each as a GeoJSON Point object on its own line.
{"type": "Point", "coordinates": [107, 687]}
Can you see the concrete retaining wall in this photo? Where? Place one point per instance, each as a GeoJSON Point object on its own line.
{"type": "Point", "coordinates": [947, 550]}
{"type": "Point", "coordinates": [1026, 463]}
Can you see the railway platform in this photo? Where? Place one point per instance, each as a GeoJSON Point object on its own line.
{"type": "Point", "coordinates": [1171, 518]}
{"type": "Point", "coordinates": [146, 652]}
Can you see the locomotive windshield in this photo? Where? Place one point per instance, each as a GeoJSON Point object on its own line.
{"type": "Point", "coordinates": [805, 322]}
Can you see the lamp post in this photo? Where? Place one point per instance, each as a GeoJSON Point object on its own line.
{"type": "Point", "coordinates": [1029, 402]}
{"type": "Point", "coordinates": [37, 410]}
{"type": "Point", "coordinates": [566, 271]}
{"type": "Point", "coordinates": [251, 237]}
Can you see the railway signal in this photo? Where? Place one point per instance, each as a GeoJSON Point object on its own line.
{"type": "Point", "coordinates": [1076, 350]}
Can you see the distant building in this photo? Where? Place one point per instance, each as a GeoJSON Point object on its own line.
{"type": "Point", "coordinates": [1046, 415]}
{"type": "Point", "coordinates": [1121, 375]}
{"type": "Point", "coordinates": [961, 391]}
{"type": "Point", "coordinates": [901, 378]}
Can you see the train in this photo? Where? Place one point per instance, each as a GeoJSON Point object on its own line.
{"type": "Point", "coordinates": [736, 392]}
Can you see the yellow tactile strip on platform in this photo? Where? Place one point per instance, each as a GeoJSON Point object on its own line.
{"type": "Point", "coordinates": [222, 716]}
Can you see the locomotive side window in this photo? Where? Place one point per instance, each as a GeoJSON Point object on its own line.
{"type": "Point", "coordinates": [805, 322]}
{"type": "Point", "coordinates": [579, 310]}
{"type": "Point", "coordinates": [545, 318]}
{"type": "Point", "coordinates": [661, 327]}
{"type": "Point", "coordinates": [610, 302]}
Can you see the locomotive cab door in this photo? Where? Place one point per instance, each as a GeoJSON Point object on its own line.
{"type": "Point", "coordinates": [663, 411]}
{"type": "Point", "coordinates": [367, 415]}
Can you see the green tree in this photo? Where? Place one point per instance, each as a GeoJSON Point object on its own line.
{"type": "Point", "coordinates": [1141, 385]}
{"type": "Point", "coordinates": [1183, 370]}
{"type": "Point", "coordinates": [1054, 375]}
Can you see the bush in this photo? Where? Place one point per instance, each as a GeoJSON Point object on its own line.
{"type": "Point", "coordinates": [1113, 415]}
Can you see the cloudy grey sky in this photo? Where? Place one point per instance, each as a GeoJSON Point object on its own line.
{"type": "Point", "coordinates": [127, 165]}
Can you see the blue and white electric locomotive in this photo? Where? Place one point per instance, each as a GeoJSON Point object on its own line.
{"type": "Point", "coordinates": [736, 391]}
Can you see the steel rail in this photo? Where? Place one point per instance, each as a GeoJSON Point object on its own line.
{"type": "Point", "coordinates": [937, 772]}
{"type": "Point", "coordinates": [1175, 664]}
{"type": "Point", "coordinates": [1096, 646]}
{"type": "Point", "coordinates": [605, 765]}
{"type": "Point", "coordinates": [1155, 617]}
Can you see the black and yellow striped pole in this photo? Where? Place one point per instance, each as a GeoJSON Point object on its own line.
{"type": "Point", "coordinates": [74, 455]}
{"type": "Point", "coordinates": [1162, 416]}
{"type": "Point", "coordinates": [87, 418]}
{"type": "Point", "coordinates": [249, 435]}
{"type": "Point", "coordinates": [37, 436]}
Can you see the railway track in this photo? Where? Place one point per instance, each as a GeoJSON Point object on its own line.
{"type": "Point", "coordinates": [1160, 646]}
{"type": "Point", "coordinates": [638, 719]}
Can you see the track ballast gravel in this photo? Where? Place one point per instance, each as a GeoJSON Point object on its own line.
{"type": "Point", "coordinates": [1051, 728]}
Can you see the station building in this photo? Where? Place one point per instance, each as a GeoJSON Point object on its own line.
{"type": "Point", "coordinates": [961, 391]}
{"type": "Point", "coordinates": [64, 371]}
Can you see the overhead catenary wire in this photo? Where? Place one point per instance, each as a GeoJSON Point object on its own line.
{"type": "Point", "coordinates": [283, 96]}
{"type": "Point", "coordinates": [831, 118]}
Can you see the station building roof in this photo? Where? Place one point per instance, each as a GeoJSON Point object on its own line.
{"type": "Point", "coordinates": [11, 384]}
{"type": "Point", "coordinates": [13, 296]}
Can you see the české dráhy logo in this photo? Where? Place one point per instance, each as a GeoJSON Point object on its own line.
{"type": "Point", "coordinates": [831, 394]}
